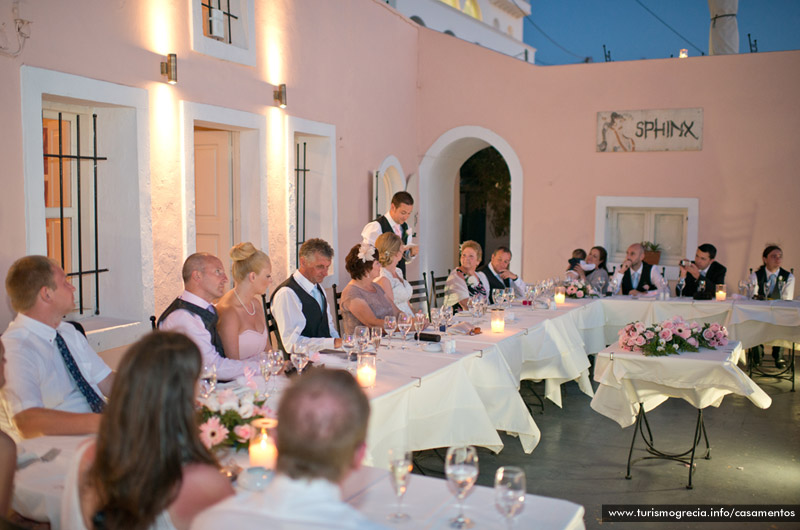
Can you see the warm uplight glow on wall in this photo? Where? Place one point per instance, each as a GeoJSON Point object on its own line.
{"type": "Point", "coordinates": [160, 27]}
{"type": "Point", "coordinates": [165, 149]}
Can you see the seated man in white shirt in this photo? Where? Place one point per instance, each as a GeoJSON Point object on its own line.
{"type": "Point", "coordinates": [299, 304]}
{"type": "Point", "coordinates": [321, 433]}
{"type": "Point", "coordinates": [395, 221]}
{"type": "Point", "coordinates": [193, 313]}
{"type": "Point", "coordinates": [635, 276]}
{"type": "Point", "coordinates": [55, 381]}
{"type": "Point", "coordinates": [499, 276]}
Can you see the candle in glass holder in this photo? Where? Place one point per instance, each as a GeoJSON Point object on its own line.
{"type": "Point", "coordinates": [560, 295]}
{"type": "Point", "coordinates": [366, 371]}
{"type": "Point", "coordinates": [722, 294]}
{"type": "Point", "coordinates": [498, 320]}
{"type": "Point", "coordinates": [262, 450]}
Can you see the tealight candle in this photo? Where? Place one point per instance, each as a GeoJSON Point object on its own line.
{"type": "Point", "coordinates": [498, 321]}
{"type": "Point", "coordinates": [560, 295]}
{"type": "Point", "coordinates": [366, 371]}
{"type": "Point", "coordinates": [721, 293]}
{"type": "Point", "coordinates": [262, 450]}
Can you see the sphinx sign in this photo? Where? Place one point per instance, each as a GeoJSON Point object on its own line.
{"type": "Point", "coordinates": [650, 130]}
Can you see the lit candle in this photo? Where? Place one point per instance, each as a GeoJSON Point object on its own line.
{"type": "Point", "coordinates": [262, 451]}
{"type": "Point", "coordinates": [498, 320]}
{"type": "Point", "coordinates": [366, 371]}
{"type": "Point", "coordinates": [560, 295]}
{"type": "Point", "coordinates": [722, 294]}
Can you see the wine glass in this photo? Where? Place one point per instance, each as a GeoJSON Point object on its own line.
{"type": "Point", "coordinates": [510, 296]}
{"type": "Point", "coordinates": [362, 337]}
{"type": "Point", "coordinates": [419, 324]}
{"type": "Point", "coordinates": [299, 358]}
{"type": "Point", "coordinates": [509, 492]}
{"type": "Point", "coordinates": [348, 345]}
{"type": "Point", "coordinates": [743, 287]}
{"type": "Point", "coordinates": [263, 365]}
{"type": "Point", "coordinates": [461, 469]}
{"type": "Point", "coordinates": [404, 324]}
{"type": "Point", "coordinates": [376, 336]}
{"type": "Point", "coordinates": [447, 317]}
{"type": "Point", "coordinates": [389, 325]}
{"type": "Point", "coordinates": [679, 287]}
{"type": "Point", "coordinates": [208, 380]}
{"type": "Point", "coordinates": [436, 318]}
{"type": "Point", "coordinates": [276, 364]}
{"type": "Point", "coordinates": [399, 472]}
{"type": "Point", "coordinates": [496, 294]}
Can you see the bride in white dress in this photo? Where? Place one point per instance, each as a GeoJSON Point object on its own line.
{"type": "Point", "coordinates": [390, 252]}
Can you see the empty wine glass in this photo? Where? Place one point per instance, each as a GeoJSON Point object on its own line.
{"type": "Point", "coordinates": [404, 324]}
{"type": "Point", "coordinates": [276, 364]}
{"type": "Point", "coordinates": [509, 492]}
{"type": "Point", "coordinates": [679, 287]}
{"type": "Point", "coordinates": [375, 336]}
{"type": "Point", "coordinates": [496, 294]}
{"type": "Point", "coordinates": [436, 318]}
{"type": "Point", "coordinates": [348, 345]}
{"type": "Point", "coordinates": [399, 472]}
{"type": "Point", "coordinates": [419, 324]}
{"type": "Point", "coordinates": [208, 380]}
{"type": "Point", "coordinates": [299, 358]}
{"type": "Point", "coordinates": [389, 325]}
{"type": "Point", "coordinates": [510, 296]}
{"type": "Point", "coordinates": [263, 365]}
{"type": "Point", "coordinates": [461, 469]}
{"type": "Point", "coordinates": [447, 317]}
{"type": "Point", "coordinates": [362, 337]}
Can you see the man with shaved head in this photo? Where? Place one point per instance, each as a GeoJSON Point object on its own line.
{"type": "Point", "coordinates": [634, 275]}
{"type": "Point", "coordinates": [321, 434]}
{"type": "Point", "coordinates": [194, 315]}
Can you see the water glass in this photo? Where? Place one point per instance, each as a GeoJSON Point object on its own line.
{"type": "Point", "coordinates": [404, 324]}
{"type": "Point", "coordinates": [400, 465]}
{"type": "Point", "coordinates": [362, 337]}
{"type": "Point", "coordinates": [447, 317]}
{"type": "Point", "coordinates": [496, 295]}
{"type": "Point", "coordinates": [461, 469]}
{"type": "Point", "coordinates": [263, 365]}
{"type": "Point", "coordinates": [389, 325]}
{"type": "Point", "coordinates": [376, 335]}
{"type": "Point", "coordinates": [419, 324]}
{"type": "Point", "coordinates": [208, 380]}
{"type": "Point", "coordinates": [299, 358]}
{"type": "Point", "coordinates": [276, 364]}
{"type": "Point", "coordinates": [510, 295]}
{"type": "Point", "coordinates": [509, 492]}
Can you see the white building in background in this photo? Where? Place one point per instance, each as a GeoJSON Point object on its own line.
{"type": "Point", "coordinates": [493, 24]}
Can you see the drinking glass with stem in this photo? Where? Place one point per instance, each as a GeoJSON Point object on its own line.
{"type": "Point", "coordinates": [263, 365]}
{"type": "Point", "coordinates": [419, 324]}
{"type": "Point", "coordinates": [496, 295]}
{"type": "Point", "coordinates": [400, 465]}
{"type": "Point", "coordinates": [447, 317]}
{"type": "Point", "coordinates": [404, 324]}
{"type": "Point", "coordinates": [436, 318]}
{"type": "Point", "coordinates": [461, 469]}
{"type": "Point", "coordinates": [299, 358]}
{"type": "Point", "coordinates": [376, 334]}
{"type": "Point", "coordinates": [680, 285]}
{"type": "Point", "coordinates": [208, 380]}
{"type": "Point", "coordinates": [389, 325]}
{"type": "Point", "coordinates": [509, 492]}
{"type": "Point", "coordinates": [348, 345]}
{"type": "Point", "coordinates": [362, 337]}
{"type": "Point", "coordinates": [276, 364]}
{"type": "Point", "coordinates": [510, 296]}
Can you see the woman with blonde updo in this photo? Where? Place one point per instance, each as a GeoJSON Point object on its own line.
{"type": "Point", "coordinates": [242, 326]}
{"type": "Point", "coordinates": [390, 252]}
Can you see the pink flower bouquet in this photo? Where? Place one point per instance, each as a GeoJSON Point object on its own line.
{"type": "Point", "coordinates": [672, 337]}
{"type": "Point", "coordinates": [579, 289]}
{"type": "Point", "coordinates": [225, 418]}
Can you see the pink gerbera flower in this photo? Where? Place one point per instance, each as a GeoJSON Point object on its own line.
{"type": "Point", "coordinates": [213, 432]}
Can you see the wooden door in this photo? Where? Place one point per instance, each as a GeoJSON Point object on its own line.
{"type": "Point", "coordinates": [213, 190]}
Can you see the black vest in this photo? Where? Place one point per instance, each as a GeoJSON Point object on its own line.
{"type": "Point", "coordinates": [209, 320]}
{"type": "Point", "coordinates": [316, 318]}
{"type": "Point", "coordinates": [494, 281]}
{"type": "Point", "coordinates": [644, 280]}
{"type": "Point", "coordinates": [387, 227]}
{"type": "Point", "coordinates": [763, 279]}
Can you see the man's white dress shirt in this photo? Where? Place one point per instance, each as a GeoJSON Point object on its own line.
{"type": "Point", "coordinates": [191, 325]}
{"type": "Point", "coordinates": [286, 504]}
{"type": "Point", "coordinates": [655, 277]}
{"type": "Point", "coordinates": [787, 293]}
{"type": "Point", "coordinates": [36, 376]}
{"type": "Point", "coordinates": [518, 284]}
{"type": "Point", "coordinates": [373, 229]}
{"type": "Point", "coordinates": [288, 312]}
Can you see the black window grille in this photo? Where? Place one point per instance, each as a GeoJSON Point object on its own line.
{"type": "Point", "coordinates": [67, 159]}
{"type": "Point", "coordinates": [225, 12]}
{"type": "Point", "coordinates": [300, 173]}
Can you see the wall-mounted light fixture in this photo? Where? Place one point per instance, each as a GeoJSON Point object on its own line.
{"type": "Point", "coordinates": [169, 68]}
{"type": "Point", "coordinates": [279, 95]}
{"type": "Point", "coordinates": [684, 53]}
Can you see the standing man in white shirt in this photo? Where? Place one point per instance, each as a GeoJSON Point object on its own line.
{"type": "Point", "coordinates": [395, 220]}
{"type": "Point", "coordinates": [55, 381]}
{"type": "Point", "coordinates": [299, 304]}
{"type": "Point", "coordinates": [194, 315]}
{"type": "Point", "coordinates": [635, 276]}
{"type": "Point", "coordinates": [321, 440]}
{"type": "Point", "coordinates": [499, 276]}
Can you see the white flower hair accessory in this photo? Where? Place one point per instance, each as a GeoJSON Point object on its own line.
{"type": "Point", "coordinates": [472, 281]}
{"type": "Point", "coordinates": [366, 252]}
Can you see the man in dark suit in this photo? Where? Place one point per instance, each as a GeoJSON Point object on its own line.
{"type": "Point", "coordinates": [702, 275]}
{"type": "Point", "coordinates": [634, 275]}
{"type": "Point", "coordinates": [395, 221]}
{"type": "Point", "coordinates": [499, 276]}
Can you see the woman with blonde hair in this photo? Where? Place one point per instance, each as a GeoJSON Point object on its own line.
{"type": "Point", "coordinates": [242, 325]}
{"type": "Point", "coordinates": [465, 281]}
{"type": "Point", "coordinates": [390, 251]}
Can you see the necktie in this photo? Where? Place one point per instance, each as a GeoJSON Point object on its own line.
{"type": "Point", "coordinates": [771, 285]}
{"type": "Point", "coordinates": [317, 292]}
{"type": "Point", "coordinates": [634, 280]}
{"type": "Point", "coordinates": [95, 402]}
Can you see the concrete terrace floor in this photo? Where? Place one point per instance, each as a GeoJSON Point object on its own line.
{"type": "Point", "coordinates": [755, 457]}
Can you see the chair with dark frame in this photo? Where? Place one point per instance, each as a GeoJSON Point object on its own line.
{"type": "Point", "coordinates": [337, 308]}
{"type": "Point", "coordinates": [437, 289]}
{"type": "Point", "coordinates": [420, 294]}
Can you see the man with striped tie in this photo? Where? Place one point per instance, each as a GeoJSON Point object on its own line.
{"type": "Point", "coordinates": [56, 382]}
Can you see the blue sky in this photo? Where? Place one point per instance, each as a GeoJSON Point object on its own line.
{"type": "Point", "coordinates": [631, 33]}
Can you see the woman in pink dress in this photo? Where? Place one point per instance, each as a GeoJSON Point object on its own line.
{"type": "Point", "coordinates": [241, 324]}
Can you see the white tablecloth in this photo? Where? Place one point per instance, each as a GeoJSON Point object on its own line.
{"type": "Point", "coordinates": [702, 378]}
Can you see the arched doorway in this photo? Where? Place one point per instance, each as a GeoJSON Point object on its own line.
{"type": "Point", "coordinates": [484, 200]}
{"type": "Point", "coordinates": [439, 195]}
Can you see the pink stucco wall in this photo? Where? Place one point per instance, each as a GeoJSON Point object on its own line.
{"type": "Point", "coordinates": [392, 88]}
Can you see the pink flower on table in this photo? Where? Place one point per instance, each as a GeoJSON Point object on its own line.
{"type": "Point", "coordinates": [665, 334]}
{"type": "Point", "coordinates": [693, 342]}
{"type": "Point", "coordinates": [227, 400]}
{"type": "Point", "coordinates": [640, 327]}
{"type": "Point", "coordinates": [719, 335]}
{"type": "Point", "coordinates": [649, 335]}
{"type": "Point", "coordinates": [640, 340]}
{"type": "Point", "coordinates": [694, 326]}
{"type": "Point", "coordinates": [668, 324]}
{"type": "Point", "coordinates": [723, 341]}
{"type": "Point", "coordinates": [579, 294]}
{"type": "Point", "coordinates": [243, 432]}
{"type": "Point", "coordinates": [708, 334]}
{"type": "Point", "coordinates": [571, 289]}
{"type": "Point", "coordinates": [683, 331]}
{"type": "Point", "coordinates": [213, 432]}
{"type": "Point", "coordinates": [714, 327]}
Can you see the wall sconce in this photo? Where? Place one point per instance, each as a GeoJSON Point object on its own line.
{"type": "Point", "coordinates": [169, 68]}
{"type": "Point", "coordinates": [280, 95]}
{"type": "Point", "coordinates": [684, 53]}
